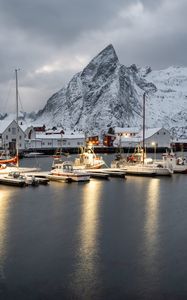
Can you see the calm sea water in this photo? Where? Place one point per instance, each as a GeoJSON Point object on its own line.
{"type": "Point", "coordinates": [116, 239]}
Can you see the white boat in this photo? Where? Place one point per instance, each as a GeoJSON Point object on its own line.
{"type": "Point", "coordinates": [7, 168]}
{"type": "Point", "coordinates": [178, 164]}
{"type": "Point", "coordinates": [147, 169]}
{"type": "Point", "coordinates": [64, 171]}
{"type": "Point", "coordinates": [33, 154]}
{"type": "Point", "coordinates": [138, 164]}
{"type": "Point", "coordinates": [88, 159]}
{"type": "Point", "coordinates": [14, 179]}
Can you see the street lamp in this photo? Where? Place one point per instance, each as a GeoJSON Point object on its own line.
{"type": "Point", "coordinates": [154, 145]}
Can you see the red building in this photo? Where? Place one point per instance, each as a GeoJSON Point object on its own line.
{"type": "Point", "coordinates": [108, 140]}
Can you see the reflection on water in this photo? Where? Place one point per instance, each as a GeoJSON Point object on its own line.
{"type": "Point", "coordinates": [4, 211]}
{"type": "Point", "coordinates": [86, 269]}
{"type": "Point", "coordinates": [151, 224]}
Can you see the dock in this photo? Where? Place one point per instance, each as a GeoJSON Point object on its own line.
{"type": "Point", "coordinates": [111, 172]}
{"type": "Point", "coordinates": [104, 173]}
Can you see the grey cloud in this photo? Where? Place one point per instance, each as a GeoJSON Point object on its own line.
{"type": "Point", "coordinates": [36, 33]}
{"type": "Point", "coordinates": [58, 20]}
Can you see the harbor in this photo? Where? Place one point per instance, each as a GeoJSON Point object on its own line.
{"type": "Point", "coordinates": [105, 239]}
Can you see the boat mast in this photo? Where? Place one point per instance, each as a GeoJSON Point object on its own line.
{"type": "Point", "coordinates": [144, 127]}
{"type": "Point", "coordinates": [17, 127]}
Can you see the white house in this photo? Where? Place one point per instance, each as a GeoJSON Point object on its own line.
{"type": "Point", "coordinates": [154, 137]}
{"type": "Point", "coordinates": [126, 131]}
{"type": "Point", "coordinates": [8, 135]}
{"type": "Point", "coordinates": [53, 141]}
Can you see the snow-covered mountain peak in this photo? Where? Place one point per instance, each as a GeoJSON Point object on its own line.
{"type": "Point", "coordinates": [108, 94]}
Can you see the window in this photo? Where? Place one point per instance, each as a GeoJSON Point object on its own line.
{"type": "Point", "coordinates": [6, 137]}
{"type": "Point", "coordinates": [20, 137]}
{"type": "Point", "coordinates": [13, 131]}
{"type": "Point", "coordinates": [9, 129]}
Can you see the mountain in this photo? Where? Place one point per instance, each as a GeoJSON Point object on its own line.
{"type": "Point", "coordinates": [107, 94]}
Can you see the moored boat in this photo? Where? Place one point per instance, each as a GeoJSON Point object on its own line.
{"type": "Point", "coordinates": [14, 179]}
{"type": "Point", "coordinates": [7, 168]}
{"type": "Point", "coordinates": [135, 166]}
{"type": "Point", "coordinates": [64, 171]}
{"type": "Point", "coordinates": [138, 164]}
{"type": "Point", "coordinates": [88, 159]}
{"type": "Point", "coordinates": [178, 164]}
{"type": "Point", "coordinates": [33, 154]}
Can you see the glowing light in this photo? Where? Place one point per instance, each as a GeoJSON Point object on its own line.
{"type": "Point", "coordinates": [151, 223]}
{"type": "Point", "coordinates": [4, 205]}
{"type": "Point", "coordinates": [86, 266]}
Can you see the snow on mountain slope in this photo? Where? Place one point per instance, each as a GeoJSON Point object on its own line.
{"type": "Point", "coordinates": [108, 94]}
{"type": "Point", "coordinates": [105, 94]}
{"type": "Point", "coordinates": [168, 105]}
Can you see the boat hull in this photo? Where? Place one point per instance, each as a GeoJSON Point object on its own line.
{"type": "Point", "coordinates": [12, 182]}
{"type": "Point", "coordinates": [67, 177]}
{"type": "Point", "coordinates": [147, 171]}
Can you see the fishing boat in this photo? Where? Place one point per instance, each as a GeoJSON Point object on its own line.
{"type": "Point", "coordinates": [136, 167]}
{"type": "Point", "coordinates": [64, 171]}
{"type": "Point", "coordinates": [88, 159]}
{"type": "Point", "coordinates": [138, 163]}
{"type": "Point", "coordinates": [178, 163]}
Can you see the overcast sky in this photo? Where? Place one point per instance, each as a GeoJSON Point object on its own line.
{"type": "Point", "coordinates": [51, 40]}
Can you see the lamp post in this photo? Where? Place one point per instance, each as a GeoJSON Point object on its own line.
{"type": "Point", "coordinates": [154, 145]}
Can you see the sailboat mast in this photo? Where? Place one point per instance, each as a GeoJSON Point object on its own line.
{"type": "Point", "coordinates": [17, 127]}
{"type": "Point", "coordinates": [143, 127]}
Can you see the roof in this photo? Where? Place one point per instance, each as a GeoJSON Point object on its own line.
{"type": "Point", "coordinates": [4, 124]}
{"type": "Point", "coordinates": [149, 132]}
{"type": "Point", "coordinates": [25, 126]}
{"type": "Point", "coordinates": [126, 129]}
{"type": "Point", "coordinates": [59, 136]}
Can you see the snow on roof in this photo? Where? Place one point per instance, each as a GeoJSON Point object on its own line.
{"type": "Point", "coordinates": [148, 132]}
{"type": "Point", "coordinates": [25, 126]}
{"type": "Point", "coordinates": [126, 129]}
{"type": "Point", "coordinates": [138, 138]}
{"type": "Point", "coordinates": [59, 136]}
{"type": "Point", "coordinates": [4, 124]}
{"type": "Point", "coordinates": [179, 141]}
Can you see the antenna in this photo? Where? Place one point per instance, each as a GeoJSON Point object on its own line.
{"type": "Point", "coordinates": [17, 127]}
